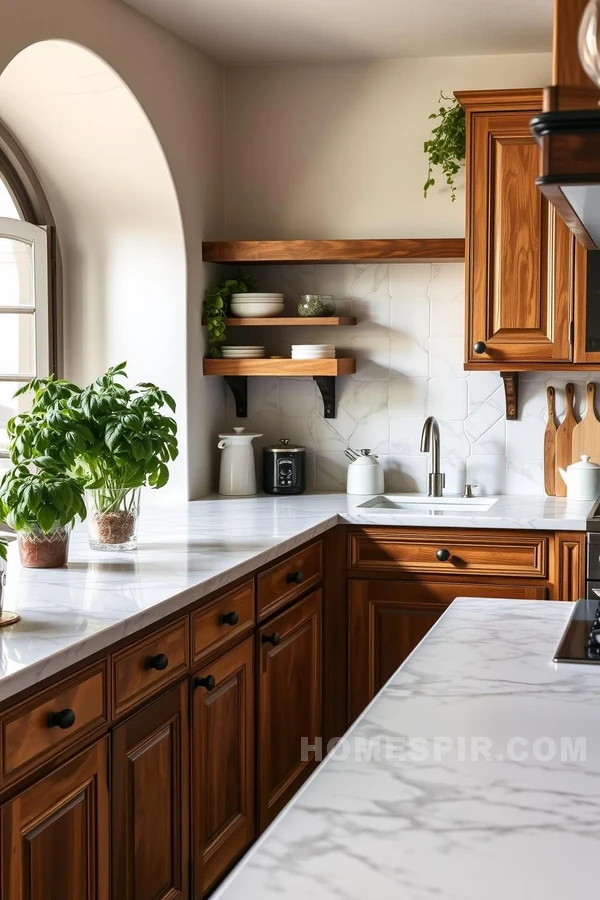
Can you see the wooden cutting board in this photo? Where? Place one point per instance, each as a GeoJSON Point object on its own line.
{"type": "Point", "coordinates": [586, 435]}
{"type": "Point", "coordinates": [550, 446]}
{"type": "Point", "coordinates": [564, 440]}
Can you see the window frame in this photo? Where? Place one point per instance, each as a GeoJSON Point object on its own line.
{"type": "Point", "coordinates": [27, 192]}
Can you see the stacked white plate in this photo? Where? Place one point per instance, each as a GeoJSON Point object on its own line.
{"type": "Point", "coordinates": [256, 306]}
{"type": "Point", "coordinates": [232, 352]}
{"type": "Point", "coordinates": [313, 351]}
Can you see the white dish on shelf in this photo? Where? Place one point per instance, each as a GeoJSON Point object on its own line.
{"type": "Point", "coordinates": [255, 309]}
{"type": "Point", "coordinates": [257, 296]}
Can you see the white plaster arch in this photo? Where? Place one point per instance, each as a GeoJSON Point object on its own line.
{"type": "Point", "coordinates": [117, 215]}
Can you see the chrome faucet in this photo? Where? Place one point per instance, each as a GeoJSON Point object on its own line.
{"type": "Point", "coordinates": [430, 441]}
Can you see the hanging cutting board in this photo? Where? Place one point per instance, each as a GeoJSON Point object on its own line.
{"type": "Point", "coordinates": [564, 440]}
{"type": "Point", "coordinates": [550, 446]}
{"type": "Point", "coordinates": [586, 435]}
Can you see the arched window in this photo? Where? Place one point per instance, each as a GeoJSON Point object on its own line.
{"type": "Point", "coordinates": [26, 281]}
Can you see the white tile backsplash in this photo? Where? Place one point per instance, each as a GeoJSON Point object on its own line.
{"type": "Point", "coordinates": [409, 348]}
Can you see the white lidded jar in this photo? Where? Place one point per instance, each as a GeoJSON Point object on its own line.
{"type": "Point", "coordinates": [238, 470]}
{"type": "Point", "coordinates": [582, 479]}
{"type": "Point", "coordinates": [365, 475]}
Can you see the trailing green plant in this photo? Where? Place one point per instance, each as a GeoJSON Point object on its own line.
{"type": "Point", "coordinates": [216, 308]}
{"type": "Point", "coordinates": [447, 146]}
{"type": "Point", "coordinates": [42, 500]}
{"type": "Point", "coordinates": [106, 435]}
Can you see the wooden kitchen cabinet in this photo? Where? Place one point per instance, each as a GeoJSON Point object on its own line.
{"type": "Point", "coordinates": [520, 254]}
{"type": "Point", "coordinates": [55, 835]}
{"type": "Point", "coordinates": [387, 619]}
{"type": "Point", "coordinates": [150, 801]}
{"type": "Point", "coordinates": [222, 764]}
{"type": "Point", "coordinates": [289, 702]}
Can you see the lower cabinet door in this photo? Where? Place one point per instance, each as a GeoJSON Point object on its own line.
{"type": "Point", "coordinates": [55, 835]}
{"type": "Point", "coordinates": [222, 764]}
{"type": "Point", "coordinates": [387, 619]}
{"type": "Point", "coordinates": [290, 694]}
{"type": "Point", "coordinates": [150, 801]}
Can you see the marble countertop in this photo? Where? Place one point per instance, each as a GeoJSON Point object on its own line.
{"type": "Point", "coordinates": [187, 552]}
{"type": "Point", "coordinates": [474, 773]}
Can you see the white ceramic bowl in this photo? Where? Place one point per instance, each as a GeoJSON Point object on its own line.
{"type": "Point", "coordinates": [262, 296]}
{"type": "Point", "coordinates": [256, 310]}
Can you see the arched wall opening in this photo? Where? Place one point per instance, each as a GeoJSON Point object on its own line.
{"type": "Point", "coordinates": [117, 217]}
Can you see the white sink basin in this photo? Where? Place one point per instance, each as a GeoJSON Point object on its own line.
{"type": "Point", "coordinates": [419, 504]}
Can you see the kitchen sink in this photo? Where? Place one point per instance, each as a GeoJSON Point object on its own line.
{"type": "Point", "coordinates": [419, 504]}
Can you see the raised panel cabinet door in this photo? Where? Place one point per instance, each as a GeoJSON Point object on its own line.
{"type": "Point", "coordinates": [55, 835]}
{"type": "Point", "coordinates": [520, 271]}
{"type": "Point", "coordinates": [150, 801]}
{"type": "Point", "coordinates": [387, 619]}
{"type": "Point", "coordinates": [222, 763]}
{"type": "Point", "coordinates": [289, 701]}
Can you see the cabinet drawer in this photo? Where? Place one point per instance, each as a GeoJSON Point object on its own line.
{"type": "Point", "coordinates": [514, 554]}
{"type": "Point", "coordinates": [225, 618]}
{"type": "Point", "coordinates": [289, 579]}
{"type": "Point", "coordinates": [146, 667]}
{"type": "Point", "coordinates": [50, 722]}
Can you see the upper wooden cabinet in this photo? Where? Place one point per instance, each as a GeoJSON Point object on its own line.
{"type": "Point", "coordinates": [520, 254]}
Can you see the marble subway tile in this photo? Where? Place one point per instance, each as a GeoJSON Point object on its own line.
{"type": "Point", "coordinates": [447, 398]}
{"type": "Point", "coordinates": [407, 397]}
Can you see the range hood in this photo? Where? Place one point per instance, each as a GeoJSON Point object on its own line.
{"type": "Point", "coordinates": [568, 132]}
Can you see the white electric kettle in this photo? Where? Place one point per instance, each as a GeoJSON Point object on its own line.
{"type": "Point", "coordinates": [365, 475]}
{"type": "Point", "coordinates": [582, 480]}
{"type": "Point", "coordinates": [238, 471]}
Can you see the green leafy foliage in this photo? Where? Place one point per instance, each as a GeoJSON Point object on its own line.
{"type": "Point", "coordinates": [216, 308]}
{"type": "Point", "coordinates": [447, 146]}
{"type": "Point", "coordinates": [40, 499]}
{"type": "Point", "coordinates": [3, 549]}
{"type": "Point", "coordinates": [105, 434]}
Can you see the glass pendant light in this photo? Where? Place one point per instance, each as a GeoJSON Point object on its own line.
{"type": "Point", "coordinates": [589, 36]}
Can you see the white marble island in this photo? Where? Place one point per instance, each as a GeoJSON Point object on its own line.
{"type": "Point", "coordinates": [497, 796]}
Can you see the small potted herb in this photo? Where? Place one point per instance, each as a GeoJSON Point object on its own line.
{"type": "Point", "coordinates": [41, 506]}
{"type": "Point", "coordinates": [113, 439]}
{"type": "Point", "coordinates": [216, 309]}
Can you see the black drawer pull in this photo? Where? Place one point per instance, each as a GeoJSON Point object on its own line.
{"type": "Point", "coordinates": [479, 347]}
{"type": "Point", "coordinates": [208, 682]}
{"type": "Point", "coordinates": [294, 578]}
{"type": "Point", "coordinates": [443, 555]}
{"type": "Point", "coordinates": [274, 639]}
{"type": "Point", "coordinates": [158, 662]}
{"type": "Point", "coordinates": [63, 719]}
{"type": "Point", "coordinates": [230, 618]}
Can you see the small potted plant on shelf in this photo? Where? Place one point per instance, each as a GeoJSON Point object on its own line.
{"type": "Point", "coordinates": [41, 506]}
{"type": "Point", "coordinates": [113, 439]}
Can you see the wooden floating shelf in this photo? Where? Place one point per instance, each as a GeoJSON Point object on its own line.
{"type": "Point", "coordinates": [280, 367]}
{"type": "Point", "coordinates": [294, 321]}
{"type": "Point", "coordinates": [288, 252]}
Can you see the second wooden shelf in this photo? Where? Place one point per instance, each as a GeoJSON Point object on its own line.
{"type": "Point", "coordinates": [280, 367]}
{"type": "Point", "coordinates": [294, 321]}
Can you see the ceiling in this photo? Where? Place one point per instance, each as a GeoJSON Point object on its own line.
{"type": "Point", "coordinates": [248, 31]}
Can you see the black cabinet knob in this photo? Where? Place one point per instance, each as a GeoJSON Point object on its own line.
{"type": "Point", "coordinates": [274, 639]}
{"type": "Point", "coordinates": [231, 618]}
{"type": "Point", "coordinates": [63, 719]}
{"type": "Point", "coordinates": [158, 662]}
{"type": "Point", "coordinates": [443, 555]}
{"type": "Point", "coordinates": [295, 578]}
{"type": "Point", "coordinates": [479, 347]}
{"type": "Point", "coordinates": [208, 682]}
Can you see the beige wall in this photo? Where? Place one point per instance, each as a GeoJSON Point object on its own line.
{"type": "Point", "coordinates": [180, 90]}
{"type": "Point", "coordinates": [336, 151]}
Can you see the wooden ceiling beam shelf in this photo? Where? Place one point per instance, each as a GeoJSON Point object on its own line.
{"type": "Point", "coordinates": [430, 250]}
{"type": "Point", "coordinates": [323, 372]}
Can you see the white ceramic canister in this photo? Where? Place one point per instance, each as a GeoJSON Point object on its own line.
{"type": "Point", "coordinates": [365, 475]}
{"type": "Point", "coordinates": [238, 470]}
{"type": "Point", "coordinates": [582, 479]}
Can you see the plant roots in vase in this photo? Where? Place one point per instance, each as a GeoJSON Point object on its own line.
{"type": "Point", "coordinates": [113, 518]}
{"type": "Point", "coordinates": [38, 550]}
